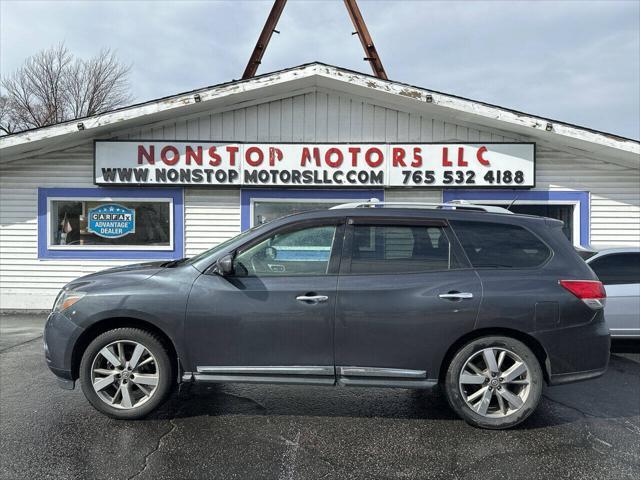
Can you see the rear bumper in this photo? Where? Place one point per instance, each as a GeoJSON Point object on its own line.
{"type": "Point", "coordinates": [576, 353]}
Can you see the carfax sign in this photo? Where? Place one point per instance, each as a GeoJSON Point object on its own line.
{"type": "Point", "coordinates": [444, 165]}
{"type": "Point", "coordinates": [112, 221]}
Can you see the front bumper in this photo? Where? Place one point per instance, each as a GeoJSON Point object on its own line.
{"type": "Point", "coordinates": [576, 353]}
{"type": "Point", "coordinates": [60, 335]}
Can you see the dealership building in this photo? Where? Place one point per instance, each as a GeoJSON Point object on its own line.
{"type": "Point", "coordinates": [172, 177]}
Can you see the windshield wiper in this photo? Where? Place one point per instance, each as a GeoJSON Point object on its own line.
{"type": "Point", "coordinates": [173, 263]}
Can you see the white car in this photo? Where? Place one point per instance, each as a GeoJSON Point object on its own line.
{"type": "Point", "coordinates": [619, 270]}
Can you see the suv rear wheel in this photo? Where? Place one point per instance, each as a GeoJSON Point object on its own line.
{"type": "Point", "coordinates": [126, 373]}
{"type": "Point", "coordinates": [494, 382]}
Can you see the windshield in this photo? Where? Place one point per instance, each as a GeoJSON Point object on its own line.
{"type": "Point", "coordinates": [221, 246]}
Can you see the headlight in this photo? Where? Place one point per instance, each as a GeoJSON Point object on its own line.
{"type": "Point", "coordinates": [65, 299]}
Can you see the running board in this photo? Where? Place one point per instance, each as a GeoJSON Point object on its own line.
{"type": "Point", "coordinates": [265, 379]}
{"type": "Point", "coordinates": [314, 375]}
{"type": "Point", "coordinates": [385, 382]}
{"type": "Point", "coordinates": [290, 375]}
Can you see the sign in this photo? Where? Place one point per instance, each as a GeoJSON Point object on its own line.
{"type": "Point", "coordinates": [112, 221]}
{"type": "Point", "coordinates": [444, 165]}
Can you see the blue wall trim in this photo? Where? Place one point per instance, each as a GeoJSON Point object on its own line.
{"type": "Point", "coordinates": [176, 194]}
{"type": "Point", "coordinates": [246, 194]}
{"type": "Point", "coordinates": [541, 195]}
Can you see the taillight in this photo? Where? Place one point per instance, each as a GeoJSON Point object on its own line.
{"type": "Point", "coordinates": [591, 292]}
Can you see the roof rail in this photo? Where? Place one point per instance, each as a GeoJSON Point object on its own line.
{"type": "Point", "coordinates": [452, 205]}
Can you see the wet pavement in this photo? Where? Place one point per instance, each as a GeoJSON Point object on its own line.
{"type": "Point", "coordinates": [585, 430]}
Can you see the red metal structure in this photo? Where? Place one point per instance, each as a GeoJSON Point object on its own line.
{"type": "Point", "coordinates": [358, 22]}
{"type": "Point", "coordinates": [365, 39]}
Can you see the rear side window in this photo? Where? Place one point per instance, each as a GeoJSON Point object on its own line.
{"type": "Point", "coordinates": [617, 268]}
{"type": "Point", "coordinates": [499, 245]}
{"type": "Point", "coordinates": [399, 249]}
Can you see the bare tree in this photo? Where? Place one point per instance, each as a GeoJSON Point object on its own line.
{"type": "Point", "coordinates": [53, 86]}
{"type": "Point", "coordinates": [5, 118]}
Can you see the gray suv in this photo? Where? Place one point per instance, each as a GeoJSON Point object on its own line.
{"type": "Point", "coordinates": [488, 304]}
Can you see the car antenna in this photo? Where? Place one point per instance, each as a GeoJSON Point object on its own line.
{"type": "Point", "coordinates": [512, 202]}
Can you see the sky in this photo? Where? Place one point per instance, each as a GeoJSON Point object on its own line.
{"type": "Point", "coordinates": [570, 60]}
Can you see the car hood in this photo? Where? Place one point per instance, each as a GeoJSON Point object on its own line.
{"type": "Point", "coordinates": [118, 275]}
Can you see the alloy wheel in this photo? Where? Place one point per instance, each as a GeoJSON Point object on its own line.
{"type": "Point", "coordinates": [124, 374]}
{"type": "Point", "coordinates": [495, 382]}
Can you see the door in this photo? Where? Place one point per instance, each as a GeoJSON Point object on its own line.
{"type": "Point", "coordinates": [405, 294]}
{"type": "Point", "coordinates": [272, 320]}
{"type": "Point", "coordinates": [620, 274]}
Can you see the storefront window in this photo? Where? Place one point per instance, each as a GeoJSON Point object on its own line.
{"type": "Point", "coordinates": [106, 223]}
{"type": "Point", "coordinates": [265, 211]}
{"type": "Point", "coordinates": [90, 223]}
{"type": "Point", "coordinates": [560, 212]}
{"type": "Point", "coordinates": [260, 206]}
{"type": "Point", "coordinates": [569, 206]}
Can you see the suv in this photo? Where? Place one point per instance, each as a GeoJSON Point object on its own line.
{"type": "Point", "coordinates": [487, 304]}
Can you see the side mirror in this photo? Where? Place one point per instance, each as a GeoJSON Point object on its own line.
{"type": "Point", "coordinates": [224, 265]}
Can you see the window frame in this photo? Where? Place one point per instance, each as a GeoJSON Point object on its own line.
{"type": "Point", "coordinates": [579, 200]}
{"type": "Point", "coordinates": [334, 257]}
{"type": "Point", "coordinates": [118, 200]}
{"type": "Point", "coordinates": [172, 196]}
{"type": "Point", "coordinates": [457, 255]}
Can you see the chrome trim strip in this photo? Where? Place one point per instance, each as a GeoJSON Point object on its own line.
{"type": "Point", "coordinates": [380, 372]}
{"type": "Point", "coordinates": [270, 370]}
{"type": "Point", "coordinates": [267, 379]}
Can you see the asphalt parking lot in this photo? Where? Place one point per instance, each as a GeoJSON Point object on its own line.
{"type": "Point", "coordinates": [585, 430]}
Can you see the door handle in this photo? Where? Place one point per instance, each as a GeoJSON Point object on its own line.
{"type": "Point", "coordinates": [456, 295]}
{"type": "Point", "coordinates": [312, 298]}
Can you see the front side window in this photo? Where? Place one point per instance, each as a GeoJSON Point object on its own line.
{"type": "Point", "coordinates": [399, 249]}
{"type": "Point", "coordinates": [617, 268]}
{"type": "Point", "coordinates": [500, 245]}
{"type": "Point", "coordinates": [300, 252]}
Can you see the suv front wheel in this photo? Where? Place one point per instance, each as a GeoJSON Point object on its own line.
{"type": "Point", "coordinates": [494, 382]}
{"type": "Point", "coordinates": [126, 373]}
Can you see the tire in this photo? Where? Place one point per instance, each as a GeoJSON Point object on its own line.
{"type": "Point", "coordinates": [122, 389]}
{"type": "Point", "coordinates": [501, 401]}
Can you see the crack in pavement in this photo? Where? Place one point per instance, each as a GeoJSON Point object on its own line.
{"type": "Point", "coordinates": [161, 439]}
{"type": "Point", "coordinates": [20, 344]}
{"type": "Point", "coordinates": [155, 450]}
{"type": "Point", "coordinates": [289, 457]}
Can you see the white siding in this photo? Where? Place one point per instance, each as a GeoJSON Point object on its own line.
{"type": "Point", "coordinates": [25, 281]}
{"type": "Point", "coordinates": [213, 215]}
{"type": "Point", "coordinates": [615, 193]}
{"type": "Point", "coordinates": [320, 116]}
